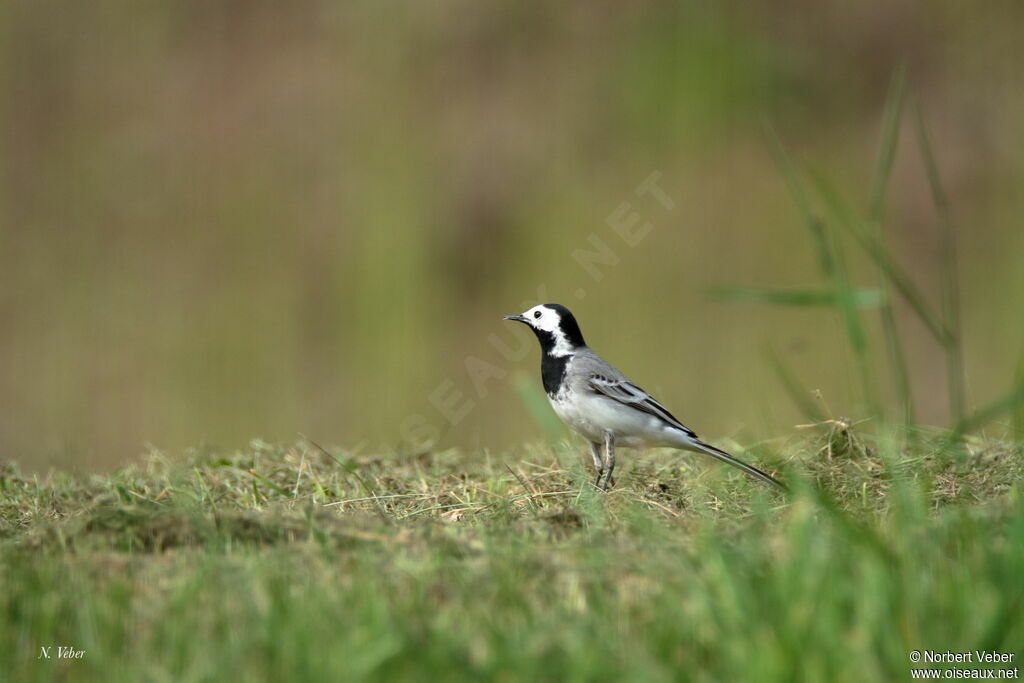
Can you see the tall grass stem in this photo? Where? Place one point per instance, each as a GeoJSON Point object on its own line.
{"type": "Point", "coordinates": [950, 279]}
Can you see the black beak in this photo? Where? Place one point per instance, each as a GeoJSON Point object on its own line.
{"type": "Point", "coordinates": [518, 317]}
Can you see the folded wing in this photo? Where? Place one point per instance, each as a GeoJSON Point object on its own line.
{"type": "Point", "coordinates": [629, 394]}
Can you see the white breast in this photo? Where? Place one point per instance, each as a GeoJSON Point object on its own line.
{"type": "Point", "coordinates": [591, 415]}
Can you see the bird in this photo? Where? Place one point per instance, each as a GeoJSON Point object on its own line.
{"type": "Point", "coordinates": [601, 404]}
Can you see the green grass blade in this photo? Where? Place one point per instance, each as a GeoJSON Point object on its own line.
{"type": "Point", "coordinates": [879, 194]}
{"type": "Point", "coordinates": [814, 224]}
{"type": "Point", "coordinates": [889, 143]}
{"type": "Point", "coordinates": [881, 257]}
{"type": "Point", "coordinates": [802, 297]}
{"type": "Point", "coordinates": [788, 170]}
{"type": "Point", "coordinates": [539, 409]}
{"type": "Point", "coordinates": [1018, 414]}
{"type": "Point", "coordinates": [856, 531]}
{"type": "Point", "coordinates": [950, 280]}
{"type": "Point", "coordinates": [891, 271]}
{"type": "Point", "coordinates": [855, 332]}
{"type": "Point", "coordinates": [898, 360]}
{"type": "Point", "coordinates": [1013, 401]}
{"type": "Point", "coordinates": [850, 299]}
{"type": "Point", "coordinates": [266, 482]}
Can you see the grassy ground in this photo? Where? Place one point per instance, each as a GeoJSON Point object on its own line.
{"type": "Point", "coordinates": [286, 563]}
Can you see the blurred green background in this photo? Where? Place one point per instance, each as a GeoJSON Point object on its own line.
{"type": "Point", "coordinates": [227, 220]}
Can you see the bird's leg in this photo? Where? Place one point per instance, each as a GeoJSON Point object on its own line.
{"type": "Point", "coordinates": [609, 460]}
{"type": "Point", "coordinates": [595, 452]}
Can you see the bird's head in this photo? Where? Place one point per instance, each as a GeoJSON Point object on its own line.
{"type": "Point", "coordinates": [555, 327]}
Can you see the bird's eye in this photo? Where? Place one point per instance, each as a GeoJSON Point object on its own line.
{"type": "Point", "coordinates": [537, 314]}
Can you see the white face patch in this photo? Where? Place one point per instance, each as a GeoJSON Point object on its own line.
{"type": "Point", "coordinates": [548, 320]}
{"type": "Point", "coordinates": [543, 318]}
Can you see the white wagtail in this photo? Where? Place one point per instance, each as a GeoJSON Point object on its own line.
{"type": "Point", "coordinates": [598, 402]}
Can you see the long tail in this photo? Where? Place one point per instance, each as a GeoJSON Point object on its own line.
{"type": "Point", "coordinates": [698, 445]}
